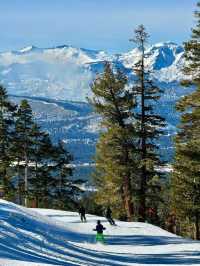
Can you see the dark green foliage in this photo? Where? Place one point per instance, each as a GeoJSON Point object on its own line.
{"type": "Point", "coordinates": [33, 170]}
{"type": "Point", "coordinates": [186, 174]}
{"type": "Point", "coordinates": [89, 201]}
{"type": "Point", "coordinates": [24, 145]}
{"type": "Point", "coordinates": [41, 181]}
{"type": "Point", "coordinates": [66, 191]}
{"type": "Point", "coordinates": [149, 128]}
{"type": "Point", "coordinates": [6, 137]}
{"type": "Point", "coordinates": [46, 166]}
{"type": "Point", "coordinates": [115, 153]}
{"type": "Point", "coordinates": [127, 155]}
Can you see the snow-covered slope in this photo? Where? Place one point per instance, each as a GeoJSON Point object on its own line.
{"type": "Point", "coordinates": [50, 237]}
{"type": "Point", "coordinates": [65, 72]}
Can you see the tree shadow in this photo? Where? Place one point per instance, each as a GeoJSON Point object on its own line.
{"type": "Point", "coordinates": [27, 239]}
{"type": "Point", "coordinates": [149, 240]}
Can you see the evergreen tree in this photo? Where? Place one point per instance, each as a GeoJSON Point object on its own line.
{"type": "Point", "coordinates": [50, 182]}
{"type": "Point", "coordinates": [6, 138]}
{"type": "Point", "coordinates": [42, 182]}
{"type": "Point", "coordinates": [40, 157]}
{"type": "Point", "coordinates": [186, 168]}
{"type": "Point", "coordinates": [66, 189]}
{"type": "Point", "coordinates": [42, 175]}
{"type": "Point", "coordinates": [149, 126]}
{"type": "Point", "coordinates": [115, 153]}
{"type": "Point", "coordinates": [23, 144]}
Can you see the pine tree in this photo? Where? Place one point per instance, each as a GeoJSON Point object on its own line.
{"type": "Point", "coordinates": [23, 143]}
{"type": "Point", "coordinates": [50, 182]}
{"type": "Point", "coordinates": [6, 138]}
{"type": "Point", "coordinates": [41, 178]}
{"type": "Point", "coordinates": [115, 154]}
{"type": "Point", "coordinates": [41, 150]}
{"type": "Point", "coordinates": [37, 166]}
{"type": "Point", "coordinates": [66, 189]}
{"type": "Point", "coordinates": [186, 168]}
{"type": "Point", "coordinates": [149, 126]}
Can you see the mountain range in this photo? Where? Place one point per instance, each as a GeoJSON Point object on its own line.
{"type": "Point", "coordinates": [65, 72]}
{"type": "Point", "coordinates": [57, 80]}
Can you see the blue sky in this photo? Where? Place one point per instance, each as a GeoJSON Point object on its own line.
{"type": "Point", "coordinates": [94, 24]}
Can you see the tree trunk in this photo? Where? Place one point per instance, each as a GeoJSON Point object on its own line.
{"type": "Point", "coordinates": [128, 202]}
{"type": "Point", "coordinates": [197, 226]}
{"type": "Point", "coordinates": [127, 187]}
{"type": "Point", "coordinates": [142, 200]}
{"type": "Point", "coordinates": [36, 201]}
{"type": "Point", "coordinates": [20, 201]}
{"type": "Point", "coordinates": [5, 182]}
{"type": "Point", "coordinates": [129, 208]}
{"type": "Point", "coordinates": [46, 203]}
{"type": "Point", "coordinates": [142, 207]}
{"type": "Point", "coordinates": [36, 177]}
{"type": "Point", "coordinates": [26, 182]}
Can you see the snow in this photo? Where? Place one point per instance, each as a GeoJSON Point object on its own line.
{"type": "Point", "coordinates": [28, 49]}
{"type": "Point", "coordinates": [164, 59]}
{"type": "Point", "coordinates": [66, 72]}
{"type": "Point", "coordinates": [52, 237]}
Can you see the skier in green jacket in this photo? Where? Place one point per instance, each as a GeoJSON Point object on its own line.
{"type": "Point", "coordinates": [99, 228]}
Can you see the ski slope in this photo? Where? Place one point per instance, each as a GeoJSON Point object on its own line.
{"type": "Point", "coordinates": [38, 237]}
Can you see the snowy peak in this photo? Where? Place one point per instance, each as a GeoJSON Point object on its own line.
{"type": "Point", "coordinates": [169, 45]}
{"type": "Point", "coordinates": [66, 72]}
{"type": "Point", "coordinates": [165, 60]}
{"type": "Point", "coordinates": [28, 49]}
{"type": "Point", "coordinates": [58, 54]}
{"type": "Point", "coordinates": [164, 54]}
{"type": "Point", "coordinates": [160, 55]}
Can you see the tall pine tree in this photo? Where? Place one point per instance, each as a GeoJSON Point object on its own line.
{"type": "Point", "coordinates": [7, 110]}
{"type": "Point", "coordinates": [186, 168]}
{"type": "Point", "coordinates": [115, 153]}
{"type": "Point", "coordinates": [40, 157]}
{"type": "Point", "coordinates": [149, 126]}
{"type": "Point", "coordinates": [24, 143]}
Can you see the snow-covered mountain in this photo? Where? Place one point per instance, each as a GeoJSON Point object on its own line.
{"type": "Point", "coordinates": [57, 80]}
{"type": "Point", "coordinates": [165, 60]}
{"type": "Point", "coordinates": [58, 73]}
{"type": "Point", "coordinates": [39, 237]}
{"type": "Point", "coordinates": [66, 72]}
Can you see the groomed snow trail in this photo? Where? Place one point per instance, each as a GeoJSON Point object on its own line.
{"type": "Point", "coordinates": [35, 237]}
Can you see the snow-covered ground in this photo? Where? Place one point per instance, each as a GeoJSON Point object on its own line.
{"type": "Point", "coordinates": [50, 237]}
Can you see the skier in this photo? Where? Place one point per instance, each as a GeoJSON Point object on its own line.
{"type": "Point", "coordinates": [108, 215]}
{"type": "Point", "coordinates": [99, 228]}
{"type": "Point", "coordinates": [82, 214]}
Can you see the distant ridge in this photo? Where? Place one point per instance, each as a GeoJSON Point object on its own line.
{"type": "Point", "coordinates": [65, 72]}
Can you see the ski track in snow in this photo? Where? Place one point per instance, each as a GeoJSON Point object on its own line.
{"type": "Point", "coordinates": [38, 237]}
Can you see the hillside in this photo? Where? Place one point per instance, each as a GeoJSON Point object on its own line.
{"type": "Point", "coordinates": [51, 237]}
